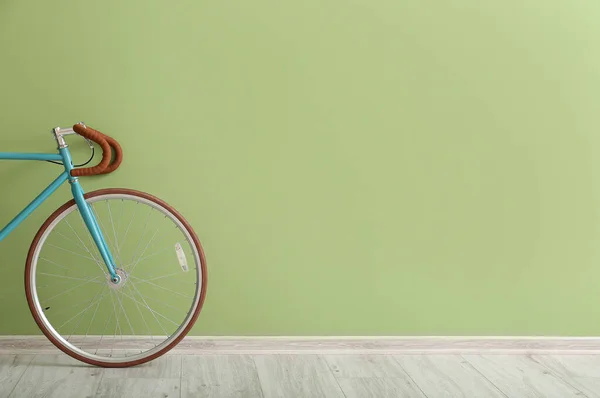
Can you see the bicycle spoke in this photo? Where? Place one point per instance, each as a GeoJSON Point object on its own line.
{"type": "Point", "coordinates": [103, 330]}
{"type": "Point", "coordinates": [70, 290]}
{"type": "Point", "coordinates": [55, 313]}
{"type": "Point", "coordinates": [124, 312]}
{"type": "Point", "coordinates": [68, 277]}
{"type": "Point", "coordinates": [153, 278]}
{"type": "Point", "coordinates": [73, 317]}
{"type": "Point", "coordinates": [120, 218]}
{"type": "Point", "coordinates": [143, 251]}
{"type": "Point", "coordinates": [162, 287]}
{"type": "Point", "coordinates": [149, 309]}
{"type": "Point", "coordinates": [140, 258]}
{"type": "Point", "coordinates": [69, 239]}
{"type": "Point", "coordinates": [93, 244]}
{"type": "Point", "coordinates": [85, 312]}
{"type": "Point", "coordinates": [153, 311]}
{"type": "Point", "coordinates": [146, 323]}
{"type": "Point", "coordinates": [167, 305]}
{"type": "Point", "coordinates": [159, 277]}
{"type": "Point", "coordinates": [129, 225]}
{"type": "Point", "coordinates": [84, 245]}
{"type": "Point", "coordinates": [116, 325]}
{"type": "Point", "coordinates": [142, 236]}
{"type": "Point", "coordinates": [150, 255]}
{"type": "Point", "coordinates": [54, 284]}
{"type": "Point", "coordinates": [93, 317]}
{"type": "Point", "coordinates": [70, 251]}
{"type": "Point", "coordinates": [58, 265]}
{"type": "Point", "coordinates": [101, 226]}
{"type": "Point", "coordinates": [117, 254]}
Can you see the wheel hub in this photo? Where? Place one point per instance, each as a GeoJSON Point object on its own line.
{"type": "Point", "coordinates": [119, 281]}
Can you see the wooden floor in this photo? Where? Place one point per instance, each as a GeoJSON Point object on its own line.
{"type": "Point", "coordinates": [295, 376]}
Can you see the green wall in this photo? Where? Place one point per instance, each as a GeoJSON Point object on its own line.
{"type": "Point", "coordinates": [351, 167]}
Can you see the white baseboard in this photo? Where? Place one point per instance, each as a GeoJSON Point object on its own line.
{"type": "Point", "coordinates": [203, 345]}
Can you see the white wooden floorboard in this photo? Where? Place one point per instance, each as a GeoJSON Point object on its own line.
{"type": "Point", "coordinates": [158, 378]}
{"type": "Point", "coordinates": [447, 376]}
{"type": "Point", "coordinates": [372, 375]}
{"type": "Point", "coordinates": [217, 376]}
{"type": "Point", "coordinates": [521, 377]}
{"type": "Point", "coordinates": [374, 387]}
{"type": "Point", "coordinates": [164, 367]}
{"type": "Point", "coordinates": [306, 376]}
{"type": "Point", "coordinates": [296, 376]}
{"type": "Point", "coordinates": [349, 366]}
{"type": "Point", "coordinates": [137, 388]}
{"type": "Point", "coordinates": [12, 368]}
{"type": "Point", "coordinates": [581, 371]}
{"type": "Point", "coordinates": [57, 376]}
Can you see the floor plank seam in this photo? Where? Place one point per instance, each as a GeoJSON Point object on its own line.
{"type": "Point", "coordinates": [181, 378]}
{"type": "Point", "coordinates": [409, 376]}
{"type": "Point", "coordinates": [484, 376]}
{"type": "Point", "coordinates": [21, 377]}
{"type": "Point", "coordinates": [558, 376]}
{"type": "Point", "coordinates": [335, 377]}
{"type": "Point", "coordinates": [260, 383]}
{"type": "Point", "coordinates": [102, 372]}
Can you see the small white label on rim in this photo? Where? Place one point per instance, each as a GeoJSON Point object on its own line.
{"type": "Point", "coordinates": [181, 257]}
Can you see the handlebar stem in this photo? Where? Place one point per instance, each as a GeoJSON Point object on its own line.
{"type": "Point", "coordinates": [59, 133]}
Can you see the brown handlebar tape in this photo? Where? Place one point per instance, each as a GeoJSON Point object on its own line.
{"type": "Point", "coordinates": [117, 152]}
{"type": "Point", "coordinates": [108, 145]}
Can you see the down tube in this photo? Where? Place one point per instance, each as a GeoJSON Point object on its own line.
{"type": "Point", "coordinates": [93, 227]}
{"type": "Point", "coordinates": [33, 205]}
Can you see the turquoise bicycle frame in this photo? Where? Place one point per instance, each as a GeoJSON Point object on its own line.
{"type": "Point", "coordinates": [85, 210]}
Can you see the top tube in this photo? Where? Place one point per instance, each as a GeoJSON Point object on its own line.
{"type": "Point", "coordinates": [29, 156]}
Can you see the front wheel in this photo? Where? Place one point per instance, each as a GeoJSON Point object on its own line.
{"type": "Point", "coordinates": [162, 286]}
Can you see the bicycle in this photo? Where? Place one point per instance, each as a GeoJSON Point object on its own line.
{"type": "Point", "coordinates": [94, 268]}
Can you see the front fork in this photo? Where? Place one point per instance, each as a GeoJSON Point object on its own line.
{"type": "Point", "coordinates": [88, 216]}
{"type": "Point", "coordinates": [92, 224]}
